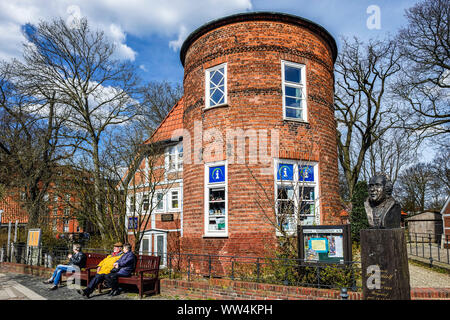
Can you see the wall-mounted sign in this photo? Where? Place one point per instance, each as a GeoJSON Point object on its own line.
{"type": "Point", "coordinates": [285, 172]}
{"type": "Point", "coordinates": [34, 238]}
{"type": "Point", "coordinates": [306, 173]}
{"type": "Point", "coordinates": [167, 217]}
{"type": "Point", "coordinates": [216, 174]}
{"type": "Point", "coordinates": [132, 223]}
{"type": "Point", "coordinates": [325, 244]}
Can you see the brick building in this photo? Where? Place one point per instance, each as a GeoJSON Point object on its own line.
{"type": "Point", "coordinates": [253, 140]}
{"type": "Point", "coordinates": [59, 201]}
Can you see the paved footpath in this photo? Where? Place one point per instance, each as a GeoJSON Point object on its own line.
{"type": "Point", "coordinates": [14, 286]}
{"type": "Point", "coordinates": [12, 290]}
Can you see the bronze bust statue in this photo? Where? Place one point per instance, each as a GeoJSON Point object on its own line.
{"type": "Point", "coordinates": [383, 211]}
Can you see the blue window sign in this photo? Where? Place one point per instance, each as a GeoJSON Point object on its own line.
{"type": "Point", "coordinates": [216, 174]}
{"type": "Point", "coordinates": [285, 172]}
{"type": "Point", "coordinates": [132, 223]}
{"type": "Point", "coordinates": [306, 173]}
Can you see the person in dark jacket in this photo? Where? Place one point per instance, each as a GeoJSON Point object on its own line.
{"type": "Point", "coordinates": [124, 267]}
{"type": "Point", "coordinates": [77, 260]}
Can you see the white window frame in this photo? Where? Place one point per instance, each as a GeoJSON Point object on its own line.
{"type": "Point", "coordinates": [301, 86]}
{"type": "Point", "coordinates": [170, 199]}
{"type": "Point", "coordinates": [178, 163]}
{"type": "Point", "coordinates": [152, 237]}
{"type": "Point", "coordinates": [297, 185]}
{"type": "Point", "coordinates": [207, 86]}
{"type": "Point", "coordinates": [132, 204]}
{"type": "Point", "coordinates": [66, 225]}
{"type": "Point", "coordinates": [147, 236]}
{"type": "Point", "coordinates": [155, 245]}
{"type": "Point", "coordinates": [207, 186]}
{"type": "Point", "coordinates": [163, 201]}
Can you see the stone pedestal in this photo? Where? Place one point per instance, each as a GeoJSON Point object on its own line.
{"type": "Point", "coordinates": [384, 263]}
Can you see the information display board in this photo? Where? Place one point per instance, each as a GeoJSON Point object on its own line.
{"type": "Point", "coordinates": [34, 238]}
{"type": "Point", "coordinates": [325, 244]}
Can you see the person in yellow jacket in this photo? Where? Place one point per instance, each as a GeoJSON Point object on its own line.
{"type": "Point", "coordinates": [103, 268]}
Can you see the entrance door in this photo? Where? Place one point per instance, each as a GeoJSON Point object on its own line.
{"type": "Point", "coordinates": [160, 245]}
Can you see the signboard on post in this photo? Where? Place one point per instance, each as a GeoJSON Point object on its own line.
{"type": "Point", "coordinates": [33, 246]}
{"type": "Point", "coordinates": [327, 244]}
{"type": "Point", "coordinates": [34, 238]}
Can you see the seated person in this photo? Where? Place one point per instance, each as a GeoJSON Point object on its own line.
{"type": "Point", "coordinates": [122, 268]}
{"type": "Point", "coordinates": [78, 259]}
{"type": "Point", "coordinates": [104, 267]}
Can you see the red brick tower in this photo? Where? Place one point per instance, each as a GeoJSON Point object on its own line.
{"type": "Point", "coordinates": [253, 75]}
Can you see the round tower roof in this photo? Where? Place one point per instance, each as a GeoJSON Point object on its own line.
{"type": "Point", "coordinates": [259, 16]}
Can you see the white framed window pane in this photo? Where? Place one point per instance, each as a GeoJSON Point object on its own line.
{"type": "Point", "coordinates": [174, 202]}
{"type": "Point", "coordinates": [217, 77]}
{"type": "Point", "coordinates": [294, 92]}
{"type": "Point", "coordinates": [159, 201]}
{"type": "Point", "coordinates": [292, 74]}
{"type": "Point", "coordinates": [160, 246]}
{"type": "Point", "coordinates": [215, 86]}
{"type": "Point", "coordinates": [215, 200]}
{"type": "Point", "coordinates": [145, 202]}
{"type": "Point", "coordinates": [293, 102]}
{"type": "Point", "coordinates": [145, 246]}
{"type": "Point", "coordinates": [293, 113]}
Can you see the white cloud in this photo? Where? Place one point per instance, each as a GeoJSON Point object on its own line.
{"type": "Point", "coordinates": [182, 34]}
{"type": "Point", "coordinates": [142, 18]}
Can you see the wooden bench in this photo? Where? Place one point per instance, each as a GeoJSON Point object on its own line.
{"type": "Point", "coordinates": [92, 260]}
{"type": "Point", "coordinates": [146, 274]}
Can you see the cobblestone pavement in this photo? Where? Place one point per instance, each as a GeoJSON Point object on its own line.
{"type": "Point", "coordinates": [15, 286]}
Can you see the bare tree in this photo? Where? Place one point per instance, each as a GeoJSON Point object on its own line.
{"type": "Point", "coordinates": [363, 108]}
{"type": "Point", "coordinates": [92, 90]}
{"type": "Point", "coordinates": [425, 83]}
{"type": "Point", "coordinates": [157, 99]}
{"type": "Point", "coordinates": [31, 141]}
{"type": "Point", "coordinates": [392, 152]}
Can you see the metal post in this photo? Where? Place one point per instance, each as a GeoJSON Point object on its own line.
{"type": "Point", "coordinates": [431, 252]}
{"type": "Point", "coordinates": [423, 247]}
{"type": "Point", "coordinates": [344, 294]}
{"type": "Point", "coordinates": [189, 267]}
{"type": "Point", "coordinates": [232, 268]}
{"type": "Point", "coordinates": [448, 245]}
{"type": "Point", "coordinates": [416, 242]}
{"type": "Point", "coordinates": [15, 230]}
{"type": "Point", "coordinates": [257, 270]}
{"type": "Point", "coordinates": [9, 242]}
{"type": "Point", "coordinates": [318, 276]}
{"type": "Point", "coordinates": [209, 266]}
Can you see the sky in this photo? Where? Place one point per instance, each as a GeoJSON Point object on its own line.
{"type": "Point", "coordinates": [151, 32]}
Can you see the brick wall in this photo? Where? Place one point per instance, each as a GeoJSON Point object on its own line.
{"type": "Point", "coordinates": [221, 289]}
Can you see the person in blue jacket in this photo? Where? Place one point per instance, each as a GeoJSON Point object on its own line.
{"type": "Point", "coordinates": [124, 267]}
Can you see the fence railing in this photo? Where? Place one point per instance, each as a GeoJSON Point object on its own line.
{"type": "Point", "coordinates": [429, 246]}
{"type": "Point", "coordinates": [264, 270]}
{"type": "Point", "coordinates": [188, 266]}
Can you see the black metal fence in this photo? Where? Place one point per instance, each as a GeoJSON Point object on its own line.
{"type": "Point", "coordinates": [39, 256]}
{"type": "Point", "coordinates": [294, 272]}
{"type": "Point", "coordinates": [187, 266]}
{"type": "Point", "coordinates": [429, 246]}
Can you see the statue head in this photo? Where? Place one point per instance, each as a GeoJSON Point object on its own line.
{"type": "Point", "coordinates": [380, 187]}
